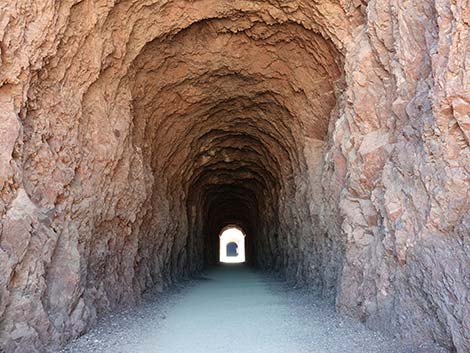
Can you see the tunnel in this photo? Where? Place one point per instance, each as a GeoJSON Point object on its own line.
{"type": "Point", "coordinates": [232, 244]}
{"type": "Point", "coordinates": [232, 249]}
{"type": "Point", "coordinates": [231, 149]}
{"type": "Point", "coordinates": [134, 132]}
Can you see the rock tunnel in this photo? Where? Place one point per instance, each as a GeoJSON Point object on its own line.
{"type": "Point", "coordinates": [334, 133]}
{"type": "Point", "coordinates": [230, 149]}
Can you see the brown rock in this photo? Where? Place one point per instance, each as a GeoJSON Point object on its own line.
{"type": "Point", "coordinates": [335, 133]}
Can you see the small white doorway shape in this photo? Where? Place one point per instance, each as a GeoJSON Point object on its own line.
{"type": "Point", "coordinates": [232, 245]}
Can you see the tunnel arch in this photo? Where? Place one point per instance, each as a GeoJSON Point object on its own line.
{"type": "Point", "coordinates": [231, 249]}
{"type": "Point", "coordinates": [240, 145]}
{"type": "Point", "coordinates": [232, 234]}
{"type": "Point", "coordinates": [135, 130]}
{"type": "Point", "coordinates": [164, 196]}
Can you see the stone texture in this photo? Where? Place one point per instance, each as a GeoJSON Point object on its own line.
{"type": "Point", "coordinates": [335, 133]}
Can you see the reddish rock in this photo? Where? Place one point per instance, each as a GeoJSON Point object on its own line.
{"type": "Point", "coordinates": [335, 133]}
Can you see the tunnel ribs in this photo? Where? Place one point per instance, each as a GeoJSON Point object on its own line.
{"type": "Point", "coordinates": [334, 133]}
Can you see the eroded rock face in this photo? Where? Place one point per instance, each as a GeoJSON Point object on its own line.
{"type": "Point", "coordinates": [335, 133]}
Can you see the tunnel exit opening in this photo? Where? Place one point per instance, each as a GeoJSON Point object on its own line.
{"type": "Point", "coordinates": [232, 249]}
{"type": "Point", "coordinates": [232, 245]}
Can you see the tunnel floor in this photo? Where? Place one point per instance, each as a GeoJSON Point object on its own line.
{"type": "Point", "coordinates": [235, 309]}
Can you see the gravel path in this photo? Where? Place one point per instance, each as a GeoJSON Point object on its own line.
{"type": "Point", "coordinates": [233, 309]}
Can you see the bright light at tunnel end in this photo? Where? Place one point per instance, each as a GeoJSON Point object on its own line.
{"type": "Point", "coordinates": [232, 235]}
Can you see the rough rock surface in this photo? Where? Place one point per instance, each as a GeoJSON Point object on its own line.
{"type": "Point", "coordinates": [336, 133]}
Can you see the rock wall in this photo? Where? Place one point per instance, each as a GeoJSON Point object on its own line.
{"type": "Point", "coordinates": [335, 133]}
{"type": "Point", "coordinates": [399, 172]}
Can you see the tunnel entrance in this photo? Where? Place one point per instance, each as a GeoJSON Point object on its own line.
{"type": "Point", "coordinates": [232, 245]}
{"type": "Point", "coordinates": [232, 249]}
{"type": "Point", "coordinates": [133, 137]}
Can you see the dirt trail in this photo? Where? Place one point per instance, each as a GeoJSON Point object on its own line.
{"type": "Point", "coordinates": [234, 309]}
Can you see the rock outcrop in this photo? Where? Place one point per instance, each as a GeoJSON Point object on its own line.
{"type": "Point", "coordinates": [335, 133]}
